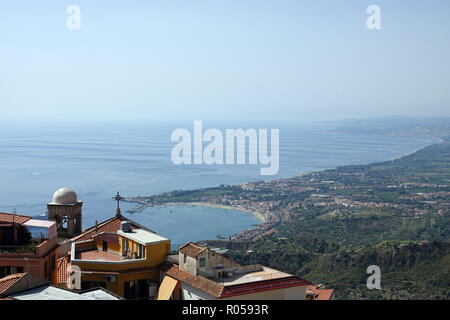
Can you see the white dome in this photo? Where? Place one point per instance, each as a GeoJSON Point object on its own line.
{"type": "Point", "coordinates": [65, 196]}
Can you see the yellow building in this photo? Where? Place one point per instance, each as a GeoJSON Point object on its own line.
{"type": "Point", "coordinates": [125, 261]}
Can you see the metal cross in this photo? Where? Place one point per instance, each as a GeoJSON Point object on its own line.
{"type": "Point", "coordinates": [118, 198]}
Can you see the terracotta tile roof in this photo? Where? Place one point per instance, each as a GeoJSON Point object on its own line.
{"type": "Point", "coordinates": [264, 285]}
{"type": "Point", "coordinates": [8, 281]}
{"type": "Point", "coordinates": [191, 249]}
{"type": "Point", "coordinates": [205, 285]}
{"type": "Point", "coordinates": [108, 237]}
{"type": "Point", "coordinates": [111, 225]}
{"type": "Point", "coordinates": [8, 218]}
{"type": "Point", "coordinates": [63, 265]}
{"type": "Point", "coordinates": [219, 291]}
{"type": "Point", "coordinates": [321, 294]}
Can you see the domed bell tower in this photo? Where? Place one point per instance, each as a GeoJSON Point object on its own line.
{"type": "Point", "coordinates": [65, 210]}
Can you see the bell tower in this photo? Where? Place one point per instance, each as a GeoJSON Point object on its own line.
{"type": "Point", "coordinates": [65, 210]}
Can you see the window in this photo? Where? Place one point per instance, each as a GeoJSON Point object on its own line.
{"type": "Point", "coordinates": [53, 262]}
{"type": "Point", "coordinates": [85, 285]}
{"type": "Point", "coordinates": [141, 251]}
{"type": "Point", "coordinates": [136, 289]}
{"type": "Point", "coordinates": [202, 262]}
{"type": "Point", "coordinates": [105, 246]}
{"type": "Point", "coordinates": [124, 247]}
{"type": "Point", "coordinates": [6, 271]}
{"type": "Point", "coordinates": [184, 258]}
{"type": "Point", "coordinates": [58, 222]}
{"type": "Point", "coordinates": [65, 223]}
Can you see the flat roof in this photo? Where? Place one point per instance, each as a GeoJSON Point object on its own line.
{"type": "Point", "coordinates": [265, 274]}
{"type": "Point", "coordinates": [98, 255]}
{"type": "Point", "coordinates": [39, 223]}
{"type": "Point", "coordinates": [53, 293]}
{"type": "Point", "coordinates": [99, 294]}
{"type": "Point", "coordinates": [143, 236]}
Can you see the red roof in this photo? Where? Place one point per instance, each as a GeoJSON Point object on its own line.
{"type": "Point", "coordinates": [111, 225]}
{"type": "Point", "coordinates": [219, 291]}
{"type": "Point", "coordinates": [108, 237]}
{"type": "Point", "coordinates": [264, 285]}
{"type": "Point", "coordinates": [191, 249]}
{"type": "Point", "coordinates": [9, 217]}
{"type": "Point", "coordinates": [321, 294]}
{"type": "Point", "coordinates": [8, 281]}
{"type": "Point", "coordinates": [208, 286]}
{"type": "Point", "coordinates": [63, 265]}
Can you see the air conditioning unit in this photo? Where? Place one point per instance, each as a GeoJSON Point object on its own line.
{"type": "Point", "coordinates": [110, 278]}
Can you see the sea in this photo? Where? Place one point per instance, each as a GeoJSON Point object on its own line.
{"type": "Point", "coordinates": [99, 159]}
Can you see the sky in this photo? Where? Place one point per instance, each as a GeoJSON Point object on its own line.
{"type": "Point", "coordinates": [216, 59]}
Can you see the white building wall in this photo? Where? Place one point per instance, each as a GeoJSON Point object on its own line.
{"type": "Point", "coordinates": [190, 266]}
{"type": "Point", "coordinates": [190, 293]}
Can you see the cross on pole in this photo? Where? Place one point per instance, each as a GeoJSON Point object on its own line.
{"type": "Point", "coordinates": [118, 198]}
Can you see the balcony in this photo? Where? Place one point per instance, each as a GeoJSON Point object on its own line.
{"type": "Point", "coordinates": [35, 248]}
{"type": "Point", "coordinates": [86, 254]}
{"type": "Point", "coordinates": [29, 248]}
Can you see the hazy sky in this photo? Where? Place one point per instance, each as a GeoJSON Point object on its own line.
{"type": "Point", "coordinates": [217, 59]}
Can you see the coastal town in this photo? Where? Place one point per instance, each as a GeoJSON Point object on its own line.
{"type": "Point", "coordinates": [315, 227]}
{"type": "Point", "coordinates": [342, 193]}
{"type": "Point", "coordinates": [117, 259]}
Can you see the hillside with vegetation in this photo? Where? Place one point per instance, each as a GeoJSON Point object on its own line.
{"type": "Point", "coordinates": [329, 226]}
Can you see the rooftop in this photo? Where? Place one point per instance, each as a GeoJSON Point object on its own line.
{"type": "Point", "coordinates": [268, 279]}
{"type": "Point", "coordinates": [39, 223]}
{"type": "Point", "coordinates": [63, 264]}
{"type": "Point", "coordinates": [264, 285]}
{"type": "Point", "coordinates": [210, 287]}
{"type": "Point", "coordinates": [264, 274]}
{"type": "Point", "coordinates": [191, 249]}
{"type": "Point", "coordinates": [98, 255]}
{"type": "Point", "coordinates": [9, 218]}
{"type": "Point", "coordinates": [8, 281]}
{"type": "Point", "coordinates": [142, 236]}
{"type": "Point", "coordinates": [320, 294]}
{"type": "Point", "coordinates": [48, 292]}
{"type": "Point", "coordinates": [64, 196]}
{"type": "Point", "coordinates": [111, 225]}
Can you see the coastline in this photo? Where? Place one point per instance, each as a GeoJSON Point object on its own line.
{"type": "Point", "coordinates": [141, 206]}
{"type": "Point", "coordinates": [257, 215]}
{"type": "Point", "coordinates": [439, 140]}
{"type": "Point", "coordinates": [268, 221]}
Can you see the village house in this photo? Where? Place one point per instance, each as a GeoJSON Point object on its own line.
{"type": "Point", "coordinates": [204, 274]}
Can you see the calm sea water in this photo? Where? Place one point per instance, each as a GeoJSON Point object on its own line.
{"type": "Point", "coordinates": [97, 160]}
